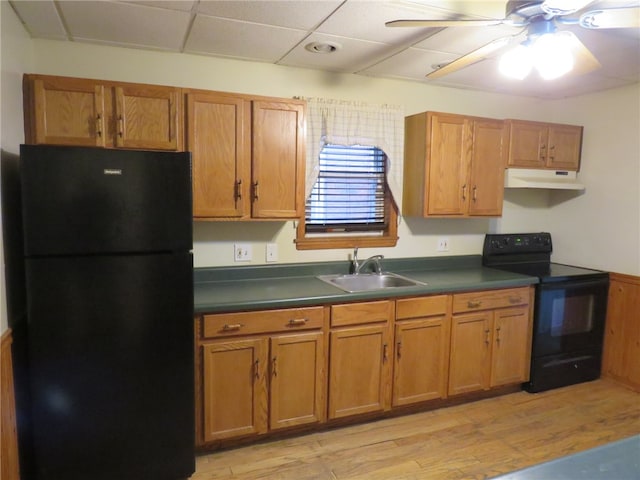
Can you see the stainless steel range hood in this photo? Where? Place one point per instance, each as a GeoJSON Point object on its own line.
{"type": "Point", "coordinates": [550, 179]}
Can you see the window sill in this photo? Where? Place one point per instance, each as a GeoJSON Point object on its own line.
{"type": "Point", "coordinates": [345, 242]}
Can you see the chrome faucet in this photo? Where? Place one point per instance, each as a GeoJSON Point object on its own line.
{"type": "Point", "coordinates": [375, 259]}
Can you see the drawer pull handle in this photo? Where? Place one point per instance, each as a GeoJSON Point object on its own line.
{"type": "Point", "coordinates": [474, 304]}
{"type": "Point", "coordinates": [120, 126]}
{"type": "Point", "coordinates": [238, 190]}
{"type": "Point", "coordinates": [385, 353]}
{"type": "Point", "coordinates": [228, 327]}
{"type": "Point", "coordinates": [297, 322]}
{"type": "Point", "coordinates": [274, 366]}
{"type": "Point", "coordinates": [515, 300]}
{"type": "Point", "coordinates": [399, 350]}
{"type": "Point", "coordinates": [487, 332]}
{"type": "Point", "coordinates": [498, 337]}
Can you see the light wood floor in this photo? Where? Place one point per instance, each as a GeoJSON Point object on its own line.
{"type": "Point", "coordinates": [472, 441]}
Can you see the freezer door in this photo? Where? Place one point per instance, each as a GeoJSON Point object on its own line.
{"type": "Point", "coordinates": [111, 358]}
{"type": "Point", "coordinates": [82, 200]}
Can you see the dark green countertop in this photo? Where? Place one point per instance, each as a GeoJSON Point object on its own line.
{"type": "Point", "coordinates": [229, 289]}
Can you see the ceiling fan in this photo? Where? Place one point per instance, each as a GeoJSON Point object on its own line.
{"type": "Point", "coordinates": [551, 51]}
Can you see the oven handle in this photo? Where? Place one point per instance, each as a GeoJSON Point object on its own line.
{"type": "Point", "coordinates": [602, 281]}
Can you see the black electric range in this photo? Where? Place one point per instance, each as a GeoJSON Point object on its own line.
{"type": "Point", "coordinates": [569, 310]}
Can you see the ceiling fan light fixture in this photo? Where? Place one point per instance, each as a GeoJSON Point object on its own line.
{"type": "Point", "coordinates": [562, 7]}
{"type": "Point", "coordinates": [552, 56]}
{"type": "Point", "coordinates": [516, 63]}
{"type": "Point", "coordinates": [613, 18]}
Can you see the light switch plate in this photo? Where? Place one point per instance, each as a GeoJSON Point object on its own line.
{"type": "Point", "coordinates": [242, 252]}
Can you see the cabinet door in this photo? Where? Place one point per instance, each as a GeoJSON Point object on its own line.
{"type": "Point", "coordinates": [487, 168]}
{"type": "Point", "coordinates": [469, 367]}
{"type": "Point", "coordinates": [146, 117]}
{"type": "Point", "coordinates": [297, 380]}
{"type": "Point", "coordinates": [511, 356]}
{"type": "Point", "coordinates": [68, 111]}
{"type": "Point", "coordinates": [448, 157]}
{"type": "Point", "coordinates": [359, 371]}
{"type": "Point", "coordinates": [565, 143]}
{"type": "Point", "coordinates": [235, 395]}
{"type": "Point", "coordinates": [217, 137]}
{"type": "Point", "coordinates": [277, 159]}
{"type": "Point", "coordinates": [527, 144]}
{"type": "Point", "coordinates": [421, 360]}
{"type": "Point", "coordinates": [621, 359]}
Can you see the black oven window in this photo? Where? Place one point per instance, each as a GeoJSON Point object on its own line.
{"type": "Point", "coordinates": [572, 315]}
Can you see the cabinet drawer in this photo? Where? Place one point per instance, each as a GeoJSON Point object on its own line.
{"type": "Point", "coordinates": [490, 299]}
{"type": "Point", "coordinates": [247, 323]}
{"type": "Point", "coordinates": [421, 307]}
{"type": "Point", "coordinates": [359, 313]}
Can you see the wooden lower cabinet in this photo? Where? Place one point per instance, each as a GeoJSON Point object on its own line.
{"type": "Point", "coordinates": [297, 376]}
{"type": "Point", "coordinates": [360, 359]}
{"type": "Point", "coordinates": [250, 385]}
{"type": "Point", "coordinates": [421, 360]}
{"type": "Point", "coordinates": [235, 394]}
{"type": "Point", "coordinates": [621, 358]}
{"type": "Point", "coordinates": [490, 347]}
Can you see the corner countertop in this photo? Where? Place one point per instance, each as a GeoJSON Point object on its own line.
{"type": "Point", "coordinates": [231, 289]}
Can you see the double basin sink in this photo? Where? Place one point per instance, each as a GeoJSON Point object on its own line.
{"type": "Point", "coordinates": [364, 282]}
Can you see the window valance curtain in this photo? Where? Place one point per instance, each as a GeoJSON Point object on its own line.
{"type": "Point", "coordinates": [343, 122]}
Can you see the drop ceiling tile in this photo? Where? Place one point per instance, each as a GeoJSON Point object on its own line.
{"type": "Point", "coordinates": [365, 20]}
{"type": "Point", "coordinates": [351, 57]}
{"type": "Point", "coordinates": [462, 40]}
{"type": "Point", "coordinates": [411, 63]}
{"type": "Point", "coordinates": [184, 5]}
{"type": "Point", "coordinates": [41, 19]}
{"type": "Point", "coordinates": [125, 24]}
{"type": "Point", "coordinates": [249, 41]}
{"type": "Point", "coordinates": [298, 14]}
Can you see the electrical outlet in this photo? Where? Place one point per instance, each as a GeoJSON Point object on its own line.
{"type": "Point", "coordinates": [242, 252]}
{"type": "Point", "coordinates": [443, 244]}
{"type": "Point", "coordinates": [271, 252]}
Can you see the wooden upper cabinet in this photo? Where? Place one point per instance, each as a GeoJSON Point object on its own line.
{"type": "Point", "coordinates": [278, 159]}
{"type": "Point", "coordinates": [486, 181]}
{"type": "Point", "coordinates": [247, 154]}
{"type": "Point", "coordinates": [64, 111]}
{"type": "Point", "coordinates": [454, 165]}
{"type": "Point", "coordinates": [146, 117]}
{"type": "Point", "coordinates": [84, 112]}
{"type": "Point", "coordinates": [544, 145]}
{"type": "Point", "coordinates": [218, 139]}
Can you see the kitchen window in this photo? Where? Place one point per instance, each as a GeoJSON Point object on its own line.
{"type": "Point", "coordinates": [351, 149]}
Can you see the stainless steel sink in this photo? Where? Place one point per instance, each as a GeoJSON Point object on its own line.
{"type": "Point", "coordinates": [363, 282]}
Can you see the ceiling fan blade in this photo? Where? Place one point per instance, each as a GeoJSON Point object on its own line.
{"type": "Point", "coordinates": [471, 57]}
{"type": "Point", "coordinates": [625, 17]}
{"type": "Point", "coordinates": [584, 60]}
{"type": "Point", "coordinates": [443, 23]}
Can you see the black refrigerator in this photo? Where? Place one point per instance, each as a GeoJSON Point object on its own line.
{"type": "Point", "coordinates": [109, 288]}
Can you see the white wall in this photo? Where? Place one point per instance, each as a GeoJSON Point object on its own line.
{"type": "Point", "coordinates": [523, 211]}
{"type": "Point", "coordinates": [17, 57]}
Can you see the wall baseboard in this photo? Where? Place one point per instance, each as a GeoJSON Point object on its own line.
{"type": "Point", "coordinates": [9, 461]}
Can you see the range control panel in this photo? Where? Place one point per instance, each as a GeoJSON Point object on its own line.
{"type": "Point", "coordinates": [504, 243]}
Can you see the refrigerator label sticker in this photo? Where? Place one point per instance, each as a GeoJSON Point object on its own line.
{"type": "Point", "coordinates": [112, 171]}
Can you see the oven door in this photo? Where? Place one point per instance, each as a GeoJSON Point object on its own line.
{"type": "Point", "coordinates": [570, 316]}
